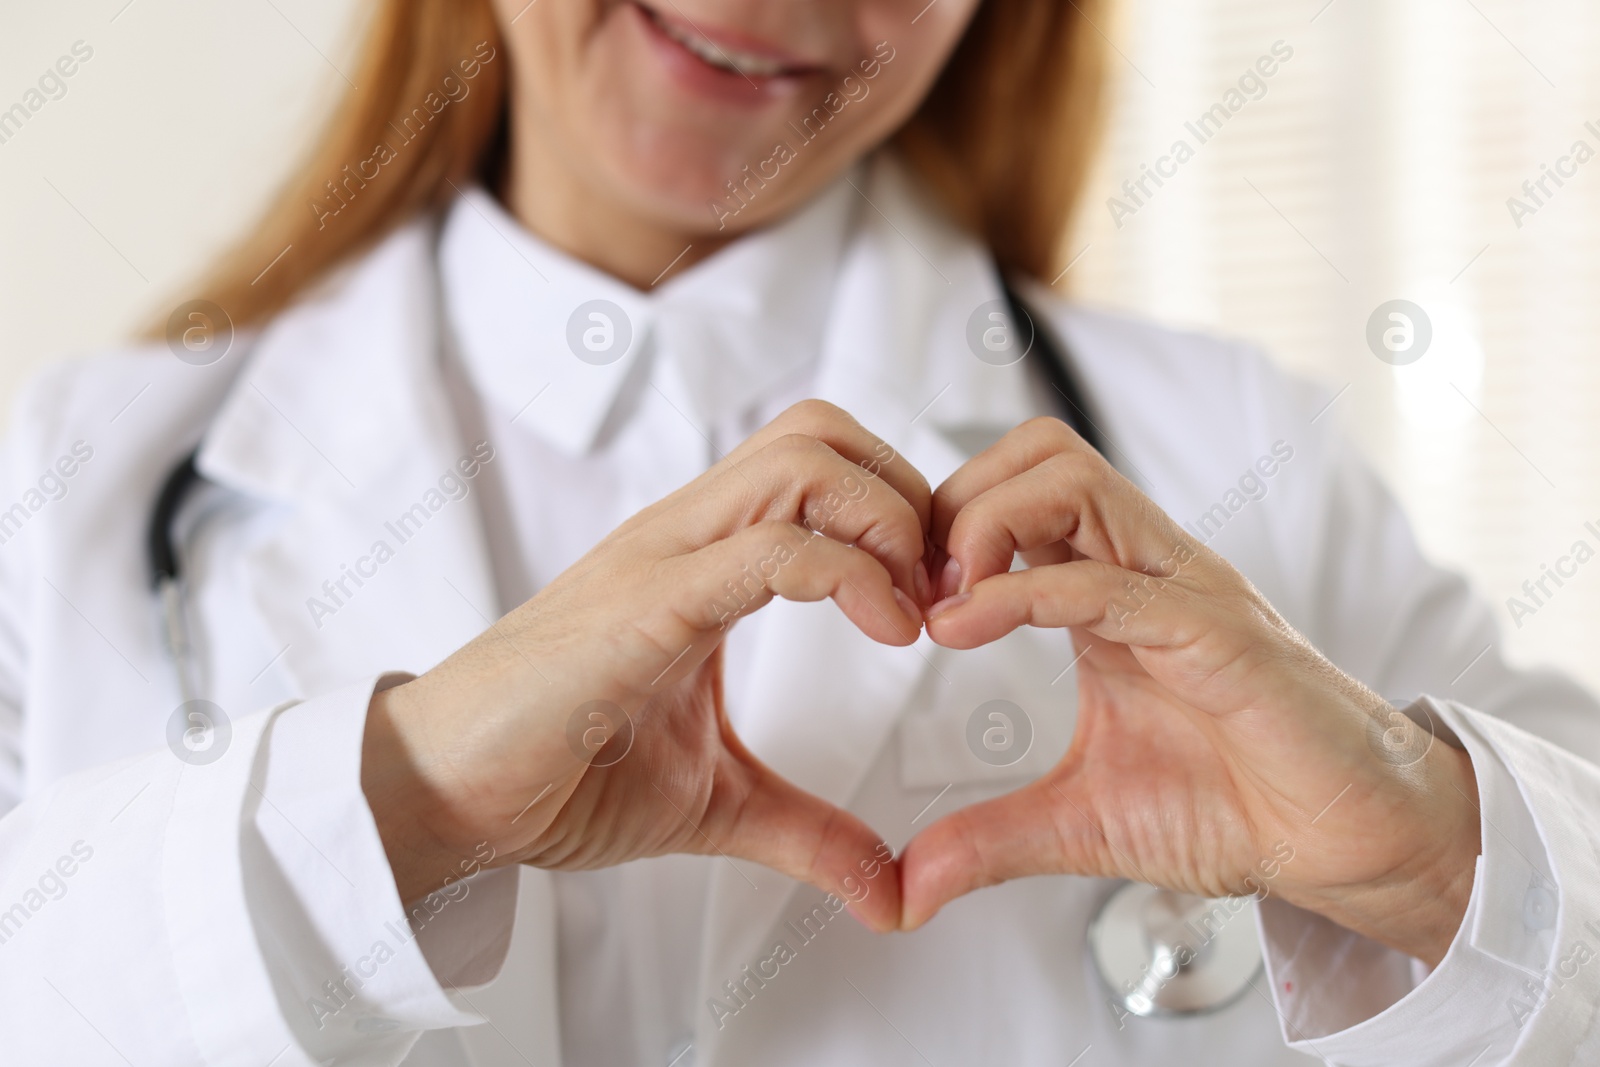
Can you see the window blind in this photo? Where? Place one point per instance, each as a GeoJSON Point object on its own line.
{"type": "Point", "coordinates": [1436, 151]}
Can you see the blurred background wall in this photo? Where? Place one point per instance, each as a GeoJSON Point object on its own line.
{"type": "Point", "coordinates": [1383, 158]}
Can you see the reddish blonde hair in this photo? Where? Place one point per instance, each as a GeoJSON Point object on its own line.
{"type": "Point", "coordinates": [1004, 139]}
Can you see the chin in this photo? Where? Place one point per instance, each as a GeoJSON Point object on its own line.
{"type": "Point", "coordinates": [673, 129]}
{"type": "Point", "coordinates": [675, 173]}
{"type": "Point", "coordinates": [704, 123]}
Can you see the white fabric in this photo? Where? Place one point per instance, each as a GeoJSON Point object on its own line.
{"type": "Point", "coordinates": [1469, 1007]}
{"type": "Point", "coordinates": [717, 352]}
{"type": "Point", "coordinates": [235, 891]}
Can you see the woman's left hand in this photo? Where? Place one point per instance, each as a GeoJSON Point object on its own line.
{"type": "Point", "coordinates": [1216, 751]}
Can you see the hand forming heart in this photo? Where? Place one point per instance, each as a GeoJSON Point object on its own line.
{"type": "Point", "coordinates": [1209, 732]}
{"type": "Point", "coordinates": [1211, 736]}
{"type": "Point", "coordinates": [507, 747]}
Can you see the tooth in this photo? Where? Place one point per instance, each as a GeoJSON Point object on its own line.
{"type": "Point", "coordinates": [725, 59]}
{"type": "Point", "coordinates": [763, 68]}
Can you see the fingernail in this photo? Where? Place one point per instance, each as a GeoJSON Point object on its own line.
{"type": "Point", "coordinates": [945, 605]}
{"type": "Point", "coordinates": [950, 579]}
{"type": "Point", "coordinates": [911, 610]}
{"type": "Point", "coordinates": [919, 582]}
{"type": "Point", "coordinates": [858, 917]}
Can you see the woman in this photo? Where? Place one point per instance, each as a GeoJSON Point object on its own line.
{"type": "Point", "coordinates": [598, 344]}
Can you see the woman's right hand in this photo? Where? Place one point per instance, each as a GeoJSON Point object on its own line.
{"type": "Point", "coordinates": [516, 745]}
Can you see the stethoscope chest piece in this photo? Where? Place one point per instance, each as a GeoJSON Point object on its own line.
{"type": "Point", "coordinates": [1163, 953]}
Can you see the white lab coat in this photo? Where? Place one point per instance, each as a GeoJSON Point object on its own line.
{"type": "Point", "coordinates": [146, 918]}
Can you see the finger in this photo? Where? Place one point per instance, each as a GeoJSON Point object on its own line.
{"type": "Point", "coordinates": [1167, 610]}
{"type": "Point", "coordinates": [801, 479]}
{"type": "Point", "coordinates": [837, 429]}
{"type": "Point", "coordinates": [1026, 446]}
{"type": "Point", "coordinates": [1027, 832]}
{"type": "Point", "coordinates": [1071, 496]}
{"type": "Point", "coordinates": [781, 826]}
{"type": "Point", "coordinates": [840, 431]}
{"type": "Point", "coordinates": [740, 574]}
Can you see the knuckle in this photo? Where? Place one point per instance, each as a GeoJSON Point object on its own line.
{"type": "Point", "coordinates": [769, 537]}
{"type": "Point", "coordinates": [1083, 477]}
{"type": "Point", "coordinates": [1053, 433]}
{"type": "Point", "coordinates": [799, 446]}
{"type": "Point", "coordinates": [1075, 469]}
{"type": "Point", "coordinates": [780, 530]}
{"type": "Point", "coordinates": [919, 483]}
{"type": "Point", "coordinates": [1047, 428]}
{"type": "Point", "coordinates": [944, 498]}
{"type": "Point", "coordinates": [967, 527]}
{"type": "Point", "coordinates": [895, 534]}
{"type": "Point", "coordinates": [814, 412]}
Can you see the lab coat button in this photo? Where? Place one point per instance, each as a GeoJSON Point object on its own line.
{"type": "Point", "coordinates": [1539, 908]}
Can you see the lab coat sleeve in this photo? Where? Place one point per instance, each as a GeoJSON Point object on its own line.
{"type": "Point", "coordinates": [357, 975]}
{"type": "Point", "coordinates": [163, 911]}
{"type": "Point", "coordinates": [1516, 985]}
{"type": "Point", "coordinates": [240, 911]}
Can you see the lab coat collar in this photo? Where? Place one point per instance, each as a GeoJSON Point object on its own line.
{"type": "Point", "coordinates": [356, 362]}
{"type": "Point", "coordinates": [735, 323]}
{"type": "Point", "coordinates": [341, 390]}
{"type": "Point", "coordinates": [340, 418]}
{"type": "Point", "coordinates": [339, 422]}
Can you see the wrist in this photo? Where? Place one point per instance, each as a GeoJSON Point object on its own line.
{"type": "Point", "coordinates": [1417, 908]}
{"type": "Point", "coordinates": [400, 781]}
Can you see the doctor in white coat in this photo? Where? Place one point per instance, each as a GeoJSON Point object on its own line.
{"type": "Point", "coordinates": [611, 342]}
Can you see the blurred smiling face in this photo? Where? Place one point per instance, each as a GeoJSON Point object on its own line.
{"type": "Point", "coordinates": [656, 105]}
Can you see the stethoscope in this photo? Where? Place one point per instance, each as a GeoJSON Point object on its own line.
{"type": "Point", "coordinates": [166, 574]}
{"type": "Point", "coordinates": [1156, 952]}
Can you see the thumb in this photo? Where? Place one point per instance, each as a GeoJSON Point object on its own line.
{"type": "Point", "coordinates": [780, 825]}
{"type": "Point", "coordinates": [1037, 829]}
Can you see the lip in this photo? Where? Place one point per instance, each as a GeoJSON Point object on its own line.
{"type": "Point", "coordinates": [732, 40]}
{"type": "Point", "coordinates": [703, 78]}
